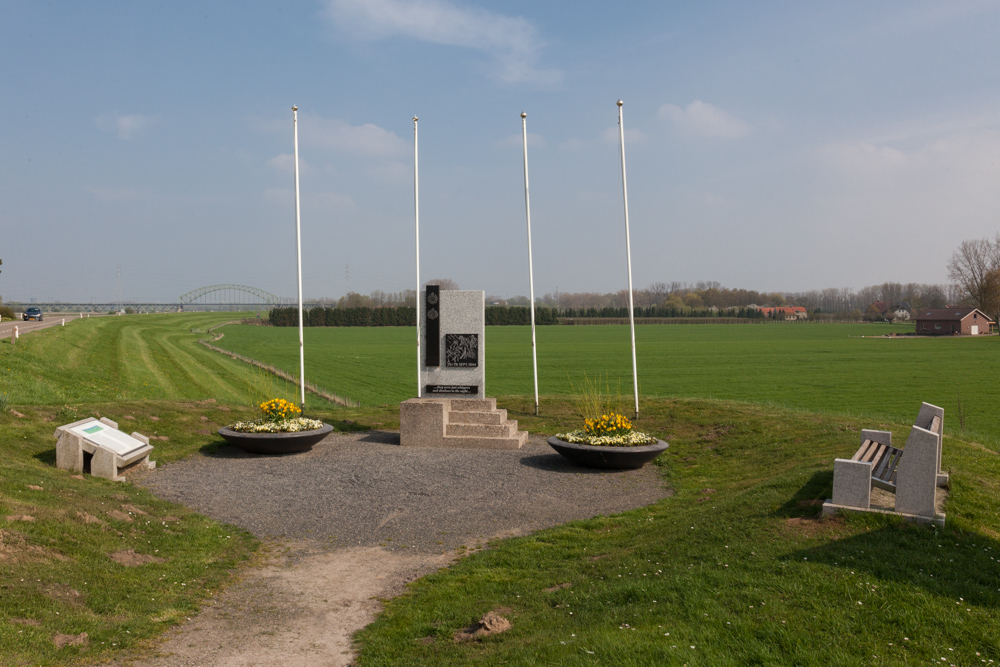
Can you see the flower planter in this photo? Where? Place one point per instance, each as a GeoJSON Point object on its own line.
{"type": "Point", "coordinates": [275, 443]}
{"type": "Point", "coordinates": [618, 458]}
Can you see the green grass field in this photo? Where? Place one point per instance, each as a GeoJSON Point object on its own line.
{"type": "Point", "coordinates": [733, 569]}
{"type": "Point", "coordinates": [826, 368]}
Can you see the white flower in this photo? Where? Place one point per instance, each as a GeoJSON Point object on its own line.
{"type": "Point", "coordinates": [287, 426]}
{"type": "Point", "coordinates": [630, 439]}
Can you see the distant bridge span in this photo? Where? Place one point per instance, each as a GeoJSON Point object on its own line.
{"type": "Point", "coordinates": [229, 294]}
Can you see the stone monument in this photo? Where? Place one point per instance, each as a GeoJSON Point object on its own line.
{"type": "Point", "coordinates": [453, 323]}
{"type": "Point", "coordinates": [453, 410]}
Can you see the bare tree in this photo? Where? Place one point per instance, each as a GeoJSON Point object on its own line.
{"type": "Point", "coordinates": [970, 267]}
{"type": "Point", "coordinates": [353, 300]}
{"type": "Point", "coordinates": [443, 283]}
{"type": "Point", "coordinates": [892, 294]}
{"type": "Point", "coordinates": [657, 293]}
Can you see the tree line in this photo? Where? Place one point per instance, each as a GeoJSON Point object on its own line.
{"type": "Point", "coordinates": [974, 269]}
{"type": "Point", "coordinates": [405, 316]}
{"type": "Point", "coordinates": [397, 316]}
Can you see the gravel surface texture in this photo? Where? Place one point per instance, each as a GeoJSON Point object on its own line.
{"type": "Point", "coordinates": [363, 489]}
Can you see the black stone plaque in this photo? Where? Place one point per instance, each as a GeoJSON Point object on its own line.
{"type": "Point", "coordinates": [461, 350]}
{"type": "Point", "coordinates": [432, 329]}
{"type": "Point", "coordinates": [462, 389]}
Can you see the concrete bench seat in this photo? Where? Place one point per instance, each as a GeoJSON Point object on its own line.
{"type": "Point", "coordinates": [912, 473]}
{"type": "Point", "coordinates": [884, 459]}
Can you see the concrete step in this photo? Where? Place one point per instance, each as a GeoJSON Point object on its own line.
{"type": "Point", "coordinates": [494, 417]}
{"type": "Point", "coordinates": [470, 442]}
{"type": "Point", "coordinates": [473, 404]}
{"type": "Point", "coordinates": [506, 430]}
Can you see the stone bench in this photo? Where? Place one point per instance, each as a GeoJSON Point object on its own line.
{"type": "Point", "coordinates": [912, 473]}
{"type": "Point", "coordinates": [109, 454]}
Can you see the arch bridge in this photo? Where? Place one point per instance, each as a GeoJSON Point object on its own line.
{"type": "Point", "coordinates": [228, 295]}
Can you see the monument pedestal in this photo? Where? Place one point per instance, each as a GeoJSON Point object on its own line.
{"type": "Point", "coordinates": [457, 422]}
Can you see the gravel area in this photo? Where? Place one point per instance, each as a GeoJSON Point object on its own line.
{"type": "Point", "coordinates": [363, 489]}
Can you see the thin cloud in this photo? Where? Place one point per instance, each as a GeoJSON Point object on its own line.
{"type": "Point", "coordinates": [313, 201]}
{"type": "Point", "coordinates": [365, 140]}
{"type": "Point", "coordinates": [126, 126]}
{"type": "Point", "coordinates": [286, 162]}
{"type": "Point", "coordinates": [391, 171]}
{"type": "Point", "coordinates": [608, 136]}
{"type": "Point", "coordinates": [511, 41]}
{"type": "Point", "coordinates": [632, 135]}
{"type": "Point", "coordinates": [962, 162]}
{"type": "Point", "coordinates": [916, 185]}
{"type": "Point", "coordinates": [701, 119]}
{"type": "Point", "coordinates": [517, 140]}
{"type": "Point", "coordinates": [338, 136]}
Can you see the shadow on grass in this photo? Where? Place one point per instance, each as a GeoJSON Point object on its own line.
{"type": "Point", "coordinates": [808, 500]}
{"type": "Point", "coordinates": [47, 456]}
{"type": "Point", "coordinates": [960, 566]}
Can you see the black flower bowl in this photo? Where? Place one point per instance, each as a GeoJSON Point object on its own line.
{"type": "Point", "coordinates": [617, 458]}
{"type": "Point", "coordinates": [275, 443]}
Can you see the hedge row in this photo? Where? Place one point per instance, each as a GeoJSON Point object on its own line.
{"type": "Point", "coordinates": [660, 311]}
{"type": "Point", "coordinates": [405, 316]}
{"type": "Point", "coordinates": [519, 315]}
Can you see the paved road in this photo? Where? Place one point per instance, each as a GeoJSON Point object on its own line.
{"type": "Point", "coordinates": [48, 320]}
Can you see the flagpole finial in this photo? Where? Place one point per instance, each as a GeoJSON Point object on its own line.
{"type": "Point", "coordinates": [415, 119]}
{"type": "Point", "coordinates": [295, 108]}
{"type": "Point", "coordinates": [524, 115]}
{"type": "Point", "coordinates": [620, 102]}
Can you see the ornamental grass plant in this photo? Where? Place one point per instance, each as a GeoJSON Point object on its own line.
{"type": "Point", "coordinates": [603, 422]}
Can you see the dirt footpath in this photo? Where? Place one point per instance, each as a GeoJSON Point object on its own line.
{"type": "Point", "coordinates": [352, 522]}
{"type": "Point", "coordinates": [299, 610]}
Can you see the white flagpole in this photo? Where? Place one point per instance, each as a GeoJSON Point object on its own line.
{"type": "Point", "coordinates": [298, 250]}
{"type": "Point", "coordinates": [416, 218]}
{"type": "Point", "coordinates": [531, 275]}
{"type": "Point", "coordinates": [628, 255]}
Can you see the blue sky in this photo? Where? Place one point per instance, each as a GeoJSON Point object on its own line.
{"type": "Point", "coordinates": [769, 145]}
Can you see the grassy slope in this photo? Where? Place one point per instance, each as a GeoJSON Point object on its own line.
{"type": "Point", "coordinates": [56, 576]}
{"type": "Point", "coordinates": [733, 566]}
{"type": "Point", "coordinates": [816, 367]}
{"type": "Point", "coordinates": [122, 359]}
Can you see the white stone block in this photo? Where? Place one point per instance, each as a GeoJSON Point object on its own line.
{"type": "Point", "coordinates": [916, 475]}
{"type": "Point", "coordinates": [852, 483]}
{"type": "Point", "coordinates": [881, 437]}
{"type": "Point", "coordinates": [924, 420]}
{"type": "Point", "coordinates": [461, 312]}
